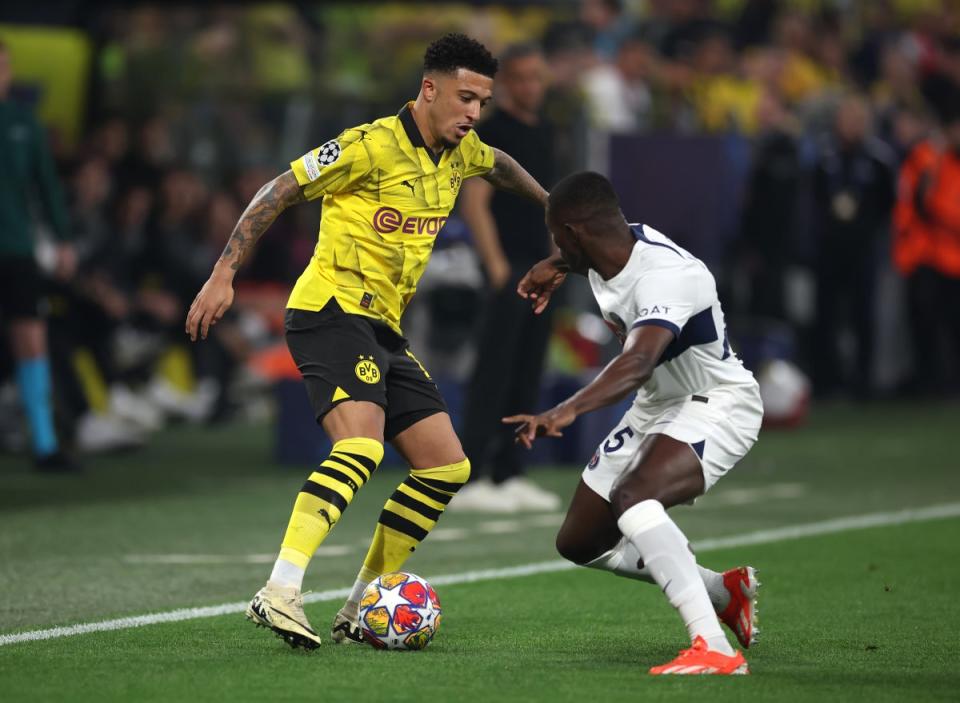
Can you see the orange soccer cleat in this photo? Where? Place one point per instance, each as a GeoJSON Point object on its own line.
{"type": "Point", "coordinates": [740, 615]}
{"type": "Point", "coordinates": [701, 660]}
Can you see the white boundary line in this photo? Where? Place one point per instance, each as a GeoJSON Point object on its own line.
{"type": "Point", "coordinates": [843, 524]}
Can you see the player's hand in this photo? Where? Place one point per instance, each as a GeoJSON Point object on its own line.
{"type": "Point", "coordinates": [539, 283]}
{"type": "Point", "coordinates": [213, 300]}
{"type": "Point", "coordinates": [546, 424]}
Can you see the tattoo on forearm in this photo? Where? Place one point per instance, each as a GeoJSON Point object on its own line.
{"type": "Point", "coordinates": [507, 174]}
{"type": "Point", "coordinates": [272, 199]}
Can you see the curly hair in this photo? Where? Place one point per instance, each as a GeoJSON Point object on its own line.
{"type": "Point", "coordinates": [453, 51]}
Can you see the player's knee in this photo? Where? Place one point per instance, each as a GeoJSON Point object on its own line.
{"type": "Point", "coordinates": [575, 550]}
{"type": "Point", "coordinates": [448, 478]}
{"type": "Point", "coordinates": [628, 493]}
{"type": "Point", "coordinates": [362, 448]}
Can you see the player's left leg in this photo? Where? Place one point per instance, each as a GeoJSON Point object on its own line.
{"type": "Point", "coordinates": [668, 472]}
{"type": "Point", "coordinates": [590, 536]}
{"type": "Point", "coordinates": [438, 469]}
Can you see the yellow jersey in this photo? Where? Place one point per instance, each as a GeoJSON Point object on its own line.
{"type": "Point", "coordinates": [386, 196]}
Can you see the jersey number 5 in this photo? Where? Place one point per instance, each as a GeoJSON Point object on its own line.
{"type": "Point", "coordinates": [616, 442]}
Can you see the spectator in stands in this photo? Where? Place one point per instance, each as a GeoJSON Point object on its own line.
{"type": "Point", "coordinates": [618, 92]}
{"type": "Point", "coordinates": [170, 273]}
{"type": "Point", "coordinates": [27, 166]}
{"type": "Point", "coordinates": [769, 216]}
{"type": "Point", "coordinates": [927, 250]}
{"type": "Point", "coordinates": [569, 55]}
{"type": "Point", "coordinates": [725, 100]}
{"type": "Point", "coordinates": [853, 194]}
{"type": "Point", "coordinates": [510, 236]}
{"type": "Point", "coordinates": [95, 305]}
{"type": "Point", "coordinates": [609, 23]}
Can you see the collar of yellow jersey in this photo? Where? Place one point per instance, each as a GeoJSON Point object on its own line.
{"type": "Point", "coordinates": [413, 132]}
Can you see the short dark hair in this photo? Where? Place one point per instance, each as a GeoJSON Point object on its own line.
{"type": "Point", "coordinates": [582, 196]}
{"type": "Point", "coordinates": [453, 51]}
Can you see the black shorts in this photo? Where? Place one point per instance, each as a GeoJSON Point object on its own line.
{"type": "Point", "coordinates": [352, 357]}
{"type": "Point", "coordinates": [21, 288]}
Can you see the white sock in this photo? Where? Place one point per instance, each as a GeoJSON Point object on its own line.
{"type": "Point", "coordinates": [359, 586]}
{"type": "Point", "coordinates": [286, 573]}
{"type": "Point", "coordinates": [666, 554]}
{"type": "Point", "coordinates": [719, 595]}
{"type": "Point", "coordinates": [624, 560]}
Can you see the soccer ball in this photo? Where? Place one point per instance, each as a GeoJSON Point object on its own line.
{"type": "Point", "coordinates": [399, 611]}
{"type": "Point", "coordinates": [785, 394]}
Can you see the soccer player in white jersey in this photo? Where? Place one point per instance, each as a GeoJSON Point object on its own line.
{"type": "Point", "coordinates": [697, 412]}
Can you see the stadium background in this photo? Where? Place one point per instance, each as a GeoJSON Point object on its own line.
{"type": "Point", "coordinates": [166, 119]}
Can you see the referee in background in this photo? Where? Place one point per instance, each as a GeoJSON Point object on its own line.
{"type": "Point", "coordinates": [27, 171]}
{"type": "Point", "coordinates": [510, 236]}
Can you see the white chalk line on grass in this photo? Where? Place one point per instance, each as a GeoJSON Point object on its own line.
{"type": "Point", "coordinates": [825, 527]}
{"type": "Point", "coordinates": [738, 496]}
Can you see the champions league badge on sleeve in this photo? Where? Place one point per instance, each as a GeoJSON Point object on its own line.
{"type": "Point", "coordinates": [328, 153]}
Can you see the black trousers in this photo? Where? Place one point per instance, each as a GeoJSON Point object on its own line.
{"type": "Point", "coordinates": [933, 301]}
{"type": "Point", "coordinates": [846, 281]}
{"type": "Point", "coordinates": [511, 349]}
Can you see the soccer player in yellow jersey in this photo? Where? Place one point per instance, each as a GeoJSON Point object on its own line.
{"type": "Point", "coordinates": [387, 189]}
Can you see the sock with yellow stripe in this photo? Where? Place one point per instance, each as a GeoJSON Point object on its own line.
{"type": "Point", "coordinates": [320, 503]}
{"type": "Point", "coordinates": [407, 518]}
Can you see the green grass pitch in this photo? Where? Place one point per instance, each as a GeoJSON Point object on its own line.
{"type": "Point", "coordinates": [866, 614]}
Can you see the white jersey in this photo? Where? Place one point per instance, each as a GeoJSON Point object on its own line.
{"type": "Point", "coordinates": [662, 284]}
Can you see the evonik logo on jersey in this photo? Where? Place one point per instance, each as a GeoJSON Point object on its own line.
{"type": "Point", "coordinates": [387, 220]}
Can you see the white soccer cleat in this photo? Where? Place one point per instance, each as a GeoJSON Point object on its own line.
{"type": "Point", "coordinates": [280, 608]}
{"type": "Point", "coordinates": [346, 625]}
{"type": "Point", "coordinates": [481, 496]}
{"type": "Point", "coordinates": [105, 433]}
{"type": "Point", "coordinates": [128, 405]}
{"type": "Point", "coordinates": [529, 496]}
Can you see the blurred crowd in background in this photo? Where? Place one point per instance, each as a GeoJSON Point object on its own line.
{"type": "Point", "coordinates": [184, 111]}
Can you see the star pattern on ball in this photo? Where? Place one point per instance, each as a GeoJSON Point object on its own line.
{"type": "Point", "coordinates": [390, 598]}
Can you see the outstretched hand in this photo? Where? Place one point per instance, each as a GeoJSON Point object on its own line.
{"type": "Point", "coordinates": [211, 303]}
{"type": "Point", "coordinates": [539, 283]}
{"type": "Point", "coordinates": [547, 424]}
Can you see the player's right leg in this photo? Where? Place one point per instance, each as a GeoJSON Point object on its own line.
{"type": "Point", "coordinates": [341, 363]}
{"type": "Point", "coordinates": [667, 472]}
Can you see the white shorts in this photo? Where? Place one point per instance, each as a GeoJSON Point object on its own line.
{"type": "Point", "coordinates": [720, 431]}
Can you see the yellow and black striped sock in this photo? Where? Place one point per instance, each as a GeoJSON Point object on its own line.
{"type": "Point", "coordinates": [326, 495]}
{"type": "Point", "coordinates": [409, 515]}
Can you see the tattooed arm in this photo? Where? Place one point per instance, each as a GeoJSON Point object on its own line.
{"type": "Point", "coordinates": [216, 296]}
{"type": "Point", "coordinates": [507, 174]}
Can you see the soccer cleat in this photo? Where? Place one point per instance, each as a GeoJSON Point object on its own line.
{"type": "Point", "coordinates": [346, 625]}
{"type": "Point", "coordinates": [701, 660]}
{"type": "Point", "coordinates": [280, 608]}
{"type": "Point", "coordinates": [58, 462]}
{"type": "Point", "coordinates": [740, 615]}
